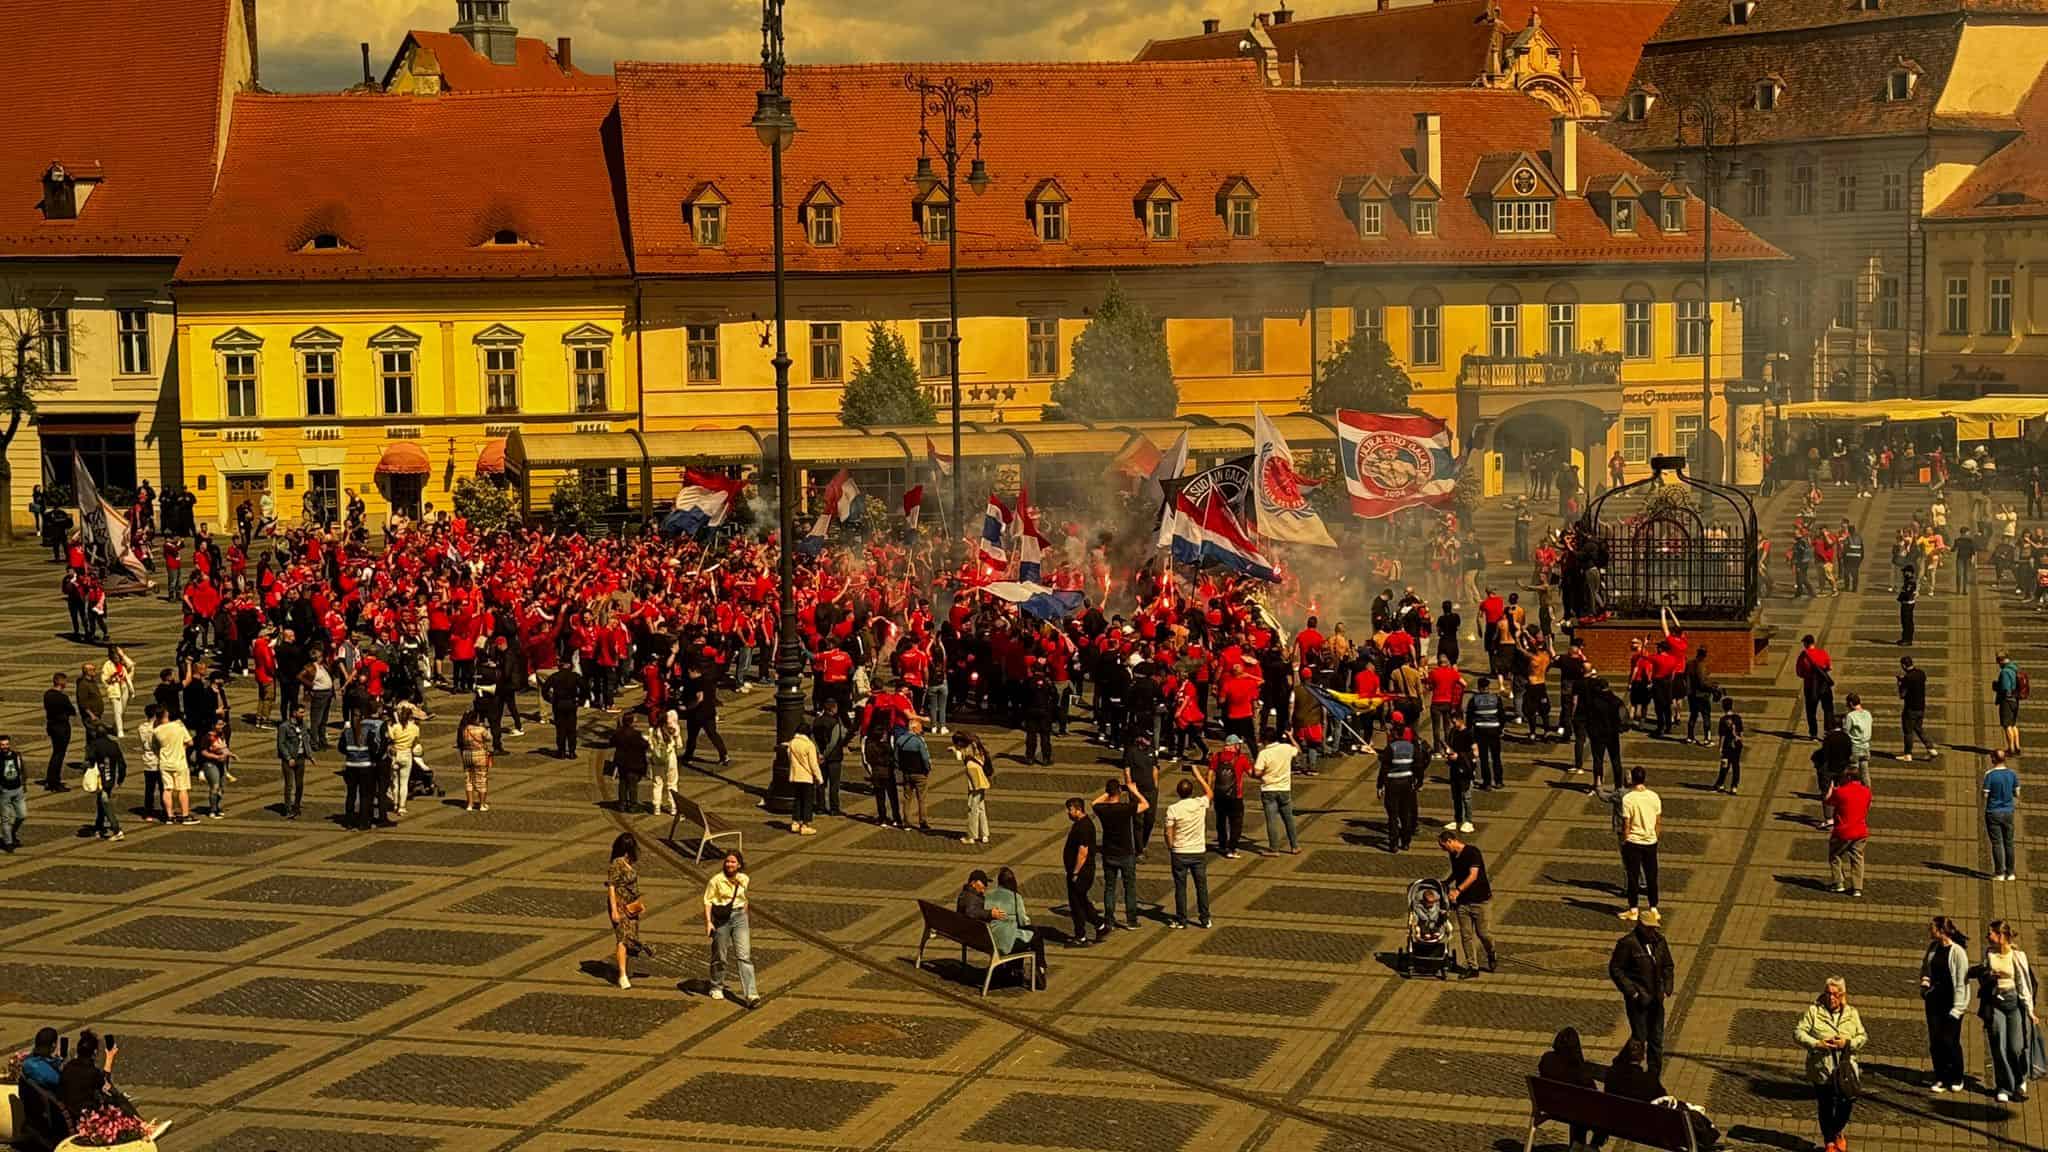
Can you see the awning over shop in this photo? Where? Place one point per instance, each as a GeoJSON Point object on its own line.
{"type": "Point", "coordinates": [526, 451]}
{"type": "Point", "coordinates": [491, 461]}
{"type": "Point", "coordinates": [403, 458]}
{"type": "Point", "coordinates": [1975, 419]}
{"type": "Point", "coordinates": [702, 446]}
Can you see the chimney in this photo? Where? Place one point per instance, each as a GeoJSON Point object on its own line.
{"type": "Point", "coordinates": [1211, 26]}
{"type": "Point", "coordinates": [1380, 5]}
{"type": "Point", "coordinates": [369, 81]}
{"type": "Point", "coordinates": [1262, 19]}
{"type": "Point", "coordinates": [562, 46]}
{"type": "Point", "coordinates": [249, 28]}
{"type": "Point", "coordinates": [1282, 15]}
{"type": "Point", "coordinates": [1429, 147]}
{"type": "Point", "coordinates": [1564, 154]}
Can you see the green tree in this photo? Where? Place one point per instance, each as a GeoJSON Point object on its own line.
{"type": "Point", "coordinates": [486, 504]}
{"type": "Point", "coordinates": [580, 505]}
{"type": "Point", "coordinates": [1122, 370]}
{"type": "Point", "coordinates": [23, 377]}
{"type": "Point", "coordinates": [884, 388]}
{"type": "Point", "coordinates": [1362, 376]}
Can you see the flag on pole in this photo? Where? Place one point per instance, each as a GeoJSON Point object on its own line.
{"type": "Point", "coordinates": [814, 543]}
{"type": "Point", "coordinates": [1283, 512]}
{"type": "Point", "coordinates": [1169, 468]}
{"type": "Point", "coordinates": [995, 523]}
{"type": "Point", "coordinates": [1206, 532]}
{"type": "Point", "coordinates": [939, 460]}
{"type": "Point", "coordinates": [1395, 462]}
{"type": "Point", "coordinates": [105, 529]}
{"type": "Point", "coordinates": [842, 496]}
{"type": "Point", "coordinates": [705, 500]}
{"type": "Point", "coordinates": [913, 505]}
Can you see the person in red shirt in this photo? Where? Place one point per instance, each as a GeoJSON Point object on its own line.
{"type": "Point", "coordinates": [1227, 770]}
{"type": "Point", "coordinates": [833, 669]}
{"type": "Point", "coordinates": [263, 661]}
{"type": "Point", "coordinates": [1816, 671]}
{"type": "Point", "coordinates": [174, 569]}
{"type": "Point", "coordinates": [1240, 696]}
{"type": "Point", "coordinates": [1446, 698]}
{"type": "Point", "coordinates": [1849, 803]}
{"type": "Point", "coordinates": [1666, 667]}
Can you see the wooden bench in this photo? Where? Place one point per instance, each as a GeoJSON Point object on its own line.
{"type": "Point", "coordinates": [940, 920]}
{"type": "Point", "coordinates": [709, 827]}
{"type": "Point", "coordinates": [1632, 1121]}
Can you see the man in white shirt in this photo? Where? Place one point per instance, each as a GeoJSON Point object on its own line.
{"type": "Point", "coordinates": [1857, 722]}
{"type": "Point", "coordinates": [173, 743]}
{"type": "Point", "coordinates": [1275, 772]}
{"type": "Point", "coordinates": [1187, 845]}
{"type": "Point", "coordinates": [1642, 818]}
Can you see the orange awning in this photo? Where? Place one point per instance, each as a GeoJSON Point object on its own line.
{"type": "Point", "coordinates": [491, 461]}
{"type": "Point", "coordinates": [403, 458]}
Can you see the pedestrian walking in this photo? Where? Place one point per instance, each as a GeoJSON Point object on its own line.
{"type": "Point", "coordinates": [1848, 805]}
{"type": "Point", "coordinates": [978, 766]}
{"type": "Point", "coordinates": [13, 796]}
{"type": "Point", "coordinates": [1913, 709]}
{"type": "Point", "coordinates": [2008, 688]}
{"type": "Point", "coordinates": [1486, 713]}
{"type": "Point", "coordinates": [1857, 725]}
{"type": "Point", "coordinates": [725, 922]}
{"type": "Point", "coordinates": [1832, 1033]}
{"type": "Point", "coordinates": [1642, 970]}
{"type": "Point", "coordinates": [1403, 763]}
{"type": "Point", "coordinates": [1187, 845]}
{"type": "Point", "coordinates": [1945, 995]}
{"type": "Point", "coordinates": [622, 899]}
{"type": "Point", "coordinates": [1830, 762]}
{"type": "Point", "coordinates": [58, 711]}
{"type": "Point", "coordinates": [294, 753]}
{"type": "Point", "coordinates": [629, 760]}
{"type": "Point", "coordinates": [1459, 758]}
{"type": "Point", "coordinates": [406, 743]}
{"type": "Point", "coordinates": [1642, 818]}
{"type": "Point", "coordinates": [563, 690]}
{"type": "Point", "coordinates": [1469, 890]}
{"type": "Point", "coordinates": [1078, 860]}
{"type": "Point", "coordinates": [1729, 778]}
{"type": "Point", "coordinates": [1275, 772]}
{"type": "Point", "coordinates": [805, 775]}
{"type": "Point", "coordinates": [1600, 717]}
{"type": "Point", "coordinates": [2001, 804]}
{"type": "Point", "coordinates": [1909, 597]}
{"type": "Point", "coordinates": [1817, 679]}
{"type": "Point", "coordinates": [1227, 771]}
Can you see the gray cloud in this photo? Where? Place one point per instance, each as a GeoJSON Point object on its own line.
{"type": "Point", "coordinates": [310, 45]}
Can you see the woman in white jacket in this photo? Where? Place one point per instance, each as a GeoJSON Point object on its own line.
{"type": "Point", "coordinates": [119, 676]}
{"type": "Point", "coordinates": [2005, 1002]}
{"type": "Point", "coordinates": [664, 744]}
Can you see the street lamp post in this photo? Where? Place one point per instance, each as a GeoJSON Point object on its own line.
{"type": "Point", "coordinates": [1707, 118]}
{"type": "Point", "coordinates": [776, 127]}
{"type": "Point", "coordinates": [950, 100]}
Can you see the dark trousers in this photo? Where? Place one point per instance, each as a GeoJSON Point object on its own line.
{"type": "Point", "coordinates": [1905, 623]}
{"type": "Point", "coordinates": [1640, 862]}
{"type": "Point", "coordinates": [888, 802]}
{"type": "Point", "coordinates": [1120, 870]}
{"type": "Point", "coordinates": [1852, 575]}
{"type": "Point", "coordinates": [60, 742]}
{"type": "Point", "coordinates": [1037, 741]}
{"type": "Point", "coordinates": [706, 723]}
{"type": "Point", "coordinates": [1646, 1023]}
{"type": "Point", "coordinates": [1242, 728]}
{"type": "Point", "coordinates": [1834, 1112]}
{"type": "Point", "coordinates": [1913, 724]}
{"type": "Point", "coordinates": [152, 793]}
{"type": "Point", "coordinates": [1081, 902]}
{"type": "Point", "coordinates": [1818, 703]}
{"type": "Point", "coordinates": [1186, 864]}
{"type": "Point", "coordinates": [565, 733]}
{"type": "Point", "coordinates": [1660, 696]}
{"type": "Point", "coordinates": [1697, 715]}
{"type": "Point", "coordinates": [1606, 751]}
{"type": "Point", "coordinates": [1731, 769]}
{"type": "Point", "coordinates": [828, 788]}
{"type": "Point", "coordinates": [1401, 818]}
{"type": "Point", "coordinates": [1945, 1043]}
{"type": "Point", "coordinates": [1229, 822]}
{"type": "Point", "coordinates": [294, 786]}
{"type": "Point", "coordinates": [629, 792]}
{"type": "Point", "coordinates": [1145, 818]}
{"type": "Point", "coordinates": [1486, 742]}
{"type": "Point", "coordinates": [356, 811]}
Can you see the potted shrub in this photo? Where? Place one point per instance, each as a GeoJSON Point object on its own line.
{"type": "Point", "coordinates": [110, 1128]}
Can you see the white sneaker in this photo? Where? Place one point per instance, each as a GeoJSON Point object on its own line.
{"type": "Point", "coordinates": [2004, 1098]}
{"type": "Point", "coordinates": [1465, 827]}
{"type": "Point", "coordinates": [1939, 1089]}
{"type": "Point", "coordinates": [1450, 825]}
{"type": "Point", "coordinates": [519, 731]}
{"type": "Point", "coordinates": [718, 993]}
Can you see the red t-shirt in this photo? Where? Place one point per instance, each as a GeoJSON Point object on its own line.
{"type": "Point", "coordinates": [1240, 696]}
{"type": "Point", "coordinates": [1446, 684]}
{"type": "Point", "coordinates": [1850, 802]}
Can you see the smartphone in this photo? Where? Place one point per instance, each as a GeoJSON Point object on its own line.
{"type": "Point", "coordinates": [112, 1042]}
{"type": "Point", "coordinates": [63, 1049]}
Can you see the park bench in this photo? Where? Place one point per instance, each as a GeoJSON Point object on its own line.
{"type": "Point", "coordinates": [710, 829]}
{"type": "Point", "coordinates": [1629, 1121]}
{"type": "Point", "coordinates": [969, 933]}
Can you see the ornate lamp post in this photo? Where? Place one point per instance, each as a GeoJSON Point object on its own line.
{"type": "Point", "coordinates": [776, 128]}
{"type": "Point", "coordinates": [1707, 119]}
{"type": "Point", "coordinates": [951, 100]}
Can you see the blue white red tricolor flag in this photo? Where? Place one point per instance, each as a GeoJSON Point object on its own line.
{"type": "Point", "coordinates": [1030, 541]}
{"type": "Point", "coordinates": [1395, 462]}
{"type": "Point", "coordinates": [939, 460]}
{"type": "Point", "coordinates": [995, 524]}
{"type": "Point", "coordinates": [842, 496]}
{"type": "Point", "coordinates": [1206, 532]}
{"type": "Point", "coordinates": [705, 500]}
{"type": "Point", "coordinates": [913, 505]}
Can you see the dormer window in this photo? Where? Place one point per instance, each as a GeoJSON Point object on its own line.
{"type": "Point", "coordinates": [1164, 224]}
{"type": "Point", "coordinates": [1238, 202]}
{"type": "Point", "coordinates": [1159, 209]}
{"type": "Point", "coordinates": [1767, 92]}
{"type": "Point", "coordinates": [705, 210]}
{"type": "Point", "coordinates": [934, 214]}
{"type": "Point", "coordinates": [1621, 216]}
{"type": "Point", "coordinates": [1866, 5]}
{"type": "Point", "coordinates": [1523, 198]}
{"type": "Point", "coordinates": [325, 242]}
{"type": "Point", "coordinates": [1522, 216]}
{"type": "Point", "coordinates": [507, 238]}
{"type": "Point", "coordinates": [1047, 208]}
{"type": "Point", "coordinates": [1899, 85]}
{"type": "Point", "coordinates": [820, 212]}
{"type": "Point", "coordinates": [1637, 108]}
{"type": "Point", "coordinates": [1673, 214]}
{"type": "Point", "coordinates": [1422, 217]}
{"type": "Point", "coordinates": [1740, 11]}
{"type": "Point", "coordinates": [66, 189]}
{"type": "Point", "coordinates": [1372, 217]}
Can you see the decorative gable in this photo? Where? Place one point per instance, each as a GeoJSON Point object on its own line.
{"type": "Point", "coordinates": [500, 334]}
{"type": "Point", "coordinates": [318, 339]}
{"type": "Point", "coordinates": [237, 340]}
{"type": "Point", "coordinates": [1618, 198]}
{"type": "Point", "coordinates": [395, 337]}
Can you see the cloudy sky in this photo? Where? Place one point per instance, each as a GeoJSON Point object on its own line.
{"type": "Point", "coordinates": [311, 44]}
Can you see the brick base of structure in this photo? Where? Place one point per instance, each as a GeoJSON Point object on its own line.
{"type": "Point", "coordinates": [1734, 648]}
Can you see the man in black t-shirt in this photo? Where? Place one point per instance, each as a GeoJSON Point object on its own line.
{"type": "Point", "coordinates": [1913, 707]}
{"type": "Point", "coordinates": [1079, 861]}
{"type": "Point", "coordinates": [1470, 891]}
{"type": "Point", "coordinates": [57, 713]}
{"type": "Point", "coordinates": [1118, 809]}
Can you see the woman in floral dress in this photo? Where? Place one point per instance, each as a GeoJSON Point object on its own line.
{"type": "Point", "coordinates": [622, 894]}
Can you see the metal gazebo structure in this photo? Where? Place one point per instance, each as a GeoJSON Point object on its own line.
{"type": "Point", "coordinates": [1675, 541]}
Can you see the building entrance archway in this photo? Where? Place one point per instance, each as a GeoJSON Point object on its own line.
{"type": "Point", "coordinates": [1528, 443]}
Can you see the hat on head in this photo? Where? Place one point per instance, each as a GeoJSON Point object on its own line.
{"type": "Point", "coordinates": [1233, 738]}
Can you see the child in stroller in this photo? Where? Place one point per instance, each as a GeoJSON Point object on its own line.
{"type": "Point", "coordinates": [1427, 948]}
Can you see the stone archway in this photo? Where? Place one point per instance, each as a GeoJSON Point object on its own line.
{"type": "Point", "coordinates": [1527, 439]}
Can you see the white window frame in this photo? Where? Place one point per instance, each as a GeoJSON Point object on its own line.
{"type": "Point", "coordinates": [1042, 346]}
{"type": "Point", "coordinates": [1621, 215]}
{"type": "Point", "coordinates": [1671, 214]}
{"type": "Point", "coordinates": [501, 363]}
{"type": "Point", "coordinates": [1890, 297]}
{"type": "Point", "coordinates": [935, 221]}
{"type": "Point", "coordinates": [934, 349]}
{"type": "Point", "coordinates": [1799, 191]}
{"type": "Point", "coordinates": [1689, 329]}
{"type": "Point", "coordinates": [1052, 221]}
{"type": "Point", "coordinates": [1634, 429]}
{"type": "Point", "coordinates": [1563, 327]}
{"type": "Point", "coordinates": [1422, 217]}
{"type": "Point", "coordinates": [1639, 329]}
{"type": "Point", "coordinates": [701, 353]}
{"type": "Point", "coordinates": [1504, 331]}
{"type": "Point", "coordinates": [242, 387]}
{"type": "Point", "coordinates": [53, 330]}
{"type": "Point", "coordinates": [1241, 214]}
{"type": "Point", "coordinates": [827, 343]}
{"type": "Point", "coordinates": [1845, 192]}
{"type": "Point", "coordinates": [1369, 322]}
{"type": "Point", "coordinates": [1248, 344]}
{"type": "Point", "coordinates": [1685, 431]}
{"type": "Point", "coordinates": [821, 225]}
{"type": "Point", "coordinates": [1162, 220]}
{"type": "Point", "coordinates": [1998, 304]}
{"type": "Point", "coordinates": [1758, 187]}
{"type": "Point", "coordinates": [306, 346]}
{"type": "Point", "coordinates": [1425, 334]}
{"type": "Point", "coordinates": [131, 338]}
{"type": "Point", "coordinates": [1955, 305]}
{"type": "Point", "coordinates": [1372, 217]}
{"type": "Point", "coordinates": [707, 225]}
{"type": "Point", "coordinates": [1894, 191]}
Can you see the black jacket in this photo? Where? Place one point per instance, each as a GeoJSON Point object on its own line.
{"type": "Point", "coordinates": [1600, 713]}
{"type": "Point", "coordinates": [1641, 967]}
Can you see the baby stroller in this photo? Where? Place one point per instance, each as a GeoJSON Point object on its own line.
{"type": "Point", "coordinates": [1427, 947]}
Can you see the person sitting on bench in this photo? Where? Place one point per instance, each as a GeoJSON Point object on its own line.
{"type": "Point", "coordinates": [1002, 909]}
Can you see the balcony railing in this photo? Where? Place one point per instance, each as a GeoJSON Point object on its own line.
{"type": "Point", "coordinates": [1578, 370]}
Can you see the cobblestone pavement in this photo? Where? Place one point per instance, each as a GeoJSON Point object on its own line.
{"type": "Point", "coordinates": [443, 986]}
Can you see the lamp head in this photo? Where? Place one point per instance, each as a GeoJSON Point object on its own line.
{"type": "Point", "coordinates": [773, 122]}
{"type": "Point", "coordinates": [977, 175]}
{"type": "Point", "coordinates": [925, 177]}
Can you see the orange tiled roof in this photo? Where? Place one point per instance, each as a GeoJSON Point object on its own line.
{"type": "Point", "coordinates": [2013, 183]}
{"type": "Point", "coordinates": [413, 186]}
{"type": "Point", "coordinates": [132, 87]}
{"type": "Point", "coordinates": [1441, 43]}
{"type": "Point", "coordinates": [1337, 134]}
{"type": "Point", "coordinates": [1102, 130]}
{"type": "Point", "coordinates": [464, 69]}
{"type": "Point", "coordinates": [1710, 19]}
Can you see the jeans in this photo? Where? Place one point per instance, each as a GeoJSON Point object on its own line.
{"type": "Point", "coordinates": [828, 788]}
{"type": "Point", "coordinates": [106, 819]}
{"type": "Point", "coordinates": [1461, 802]}
{"type": "Point", "coordinates": [1186, 864]}
{"type": "Point", "coordinates": [730, 942]}
{"type": "Point", "coordinates": [1486, 745]}
{"type": "Point", "coordinates": [935, 704]}
{"type": "Point", "coordinates": [1834, 1112]}
{"type": "Point", "coordinates": [294, 785]}
{"type": "Point", "coordinates": [1646, 1023]}
{"type": "Point", "coordinates": [1639, 861]}
{"type": "Point", "coordinates": [1945, 1043]}
{"type": "Point", "coordinates": [13, 814]}
{"type": "Point", "coordinates": [977, 814]}
{"type": "Point", "coordinates": [210, 771]}
{"type": "Point", "coordinates": [1229, 822]}
{"type": "Point", "coordinates": [323, 703]}
{"type": "Point", "coordinates": [1120, 870]}
{"type": "Point", "coordinates": [1081, 902]}
{"type": "Point", "coordinates": [1472, 926]}
{"type": "Point", "coordinates": [152, 793]}
{"type": "Point", "coordinates": [1279, 808]}
{"type": "Point", "coordinates": [888, 805]}
{"type": "Point", "coordinates": [1818, 703]}
{"type": "Point", "coordinates": [1731, 769]}
{"type": "Point", "coordinates": [1845, 863]}
{"type": "Point", "coordinates": [1998, 826]}
{"type": "Point", "coordinates": [356, 811]}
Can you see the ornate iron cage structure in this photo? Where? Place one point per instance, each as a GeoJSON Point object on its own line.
{"type": "Point", "coordinates": [1686, 544]}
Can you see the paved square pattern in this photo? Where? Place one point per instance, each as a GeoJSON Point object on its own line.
{"type": "Point", "coordinates": [447, 985]}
